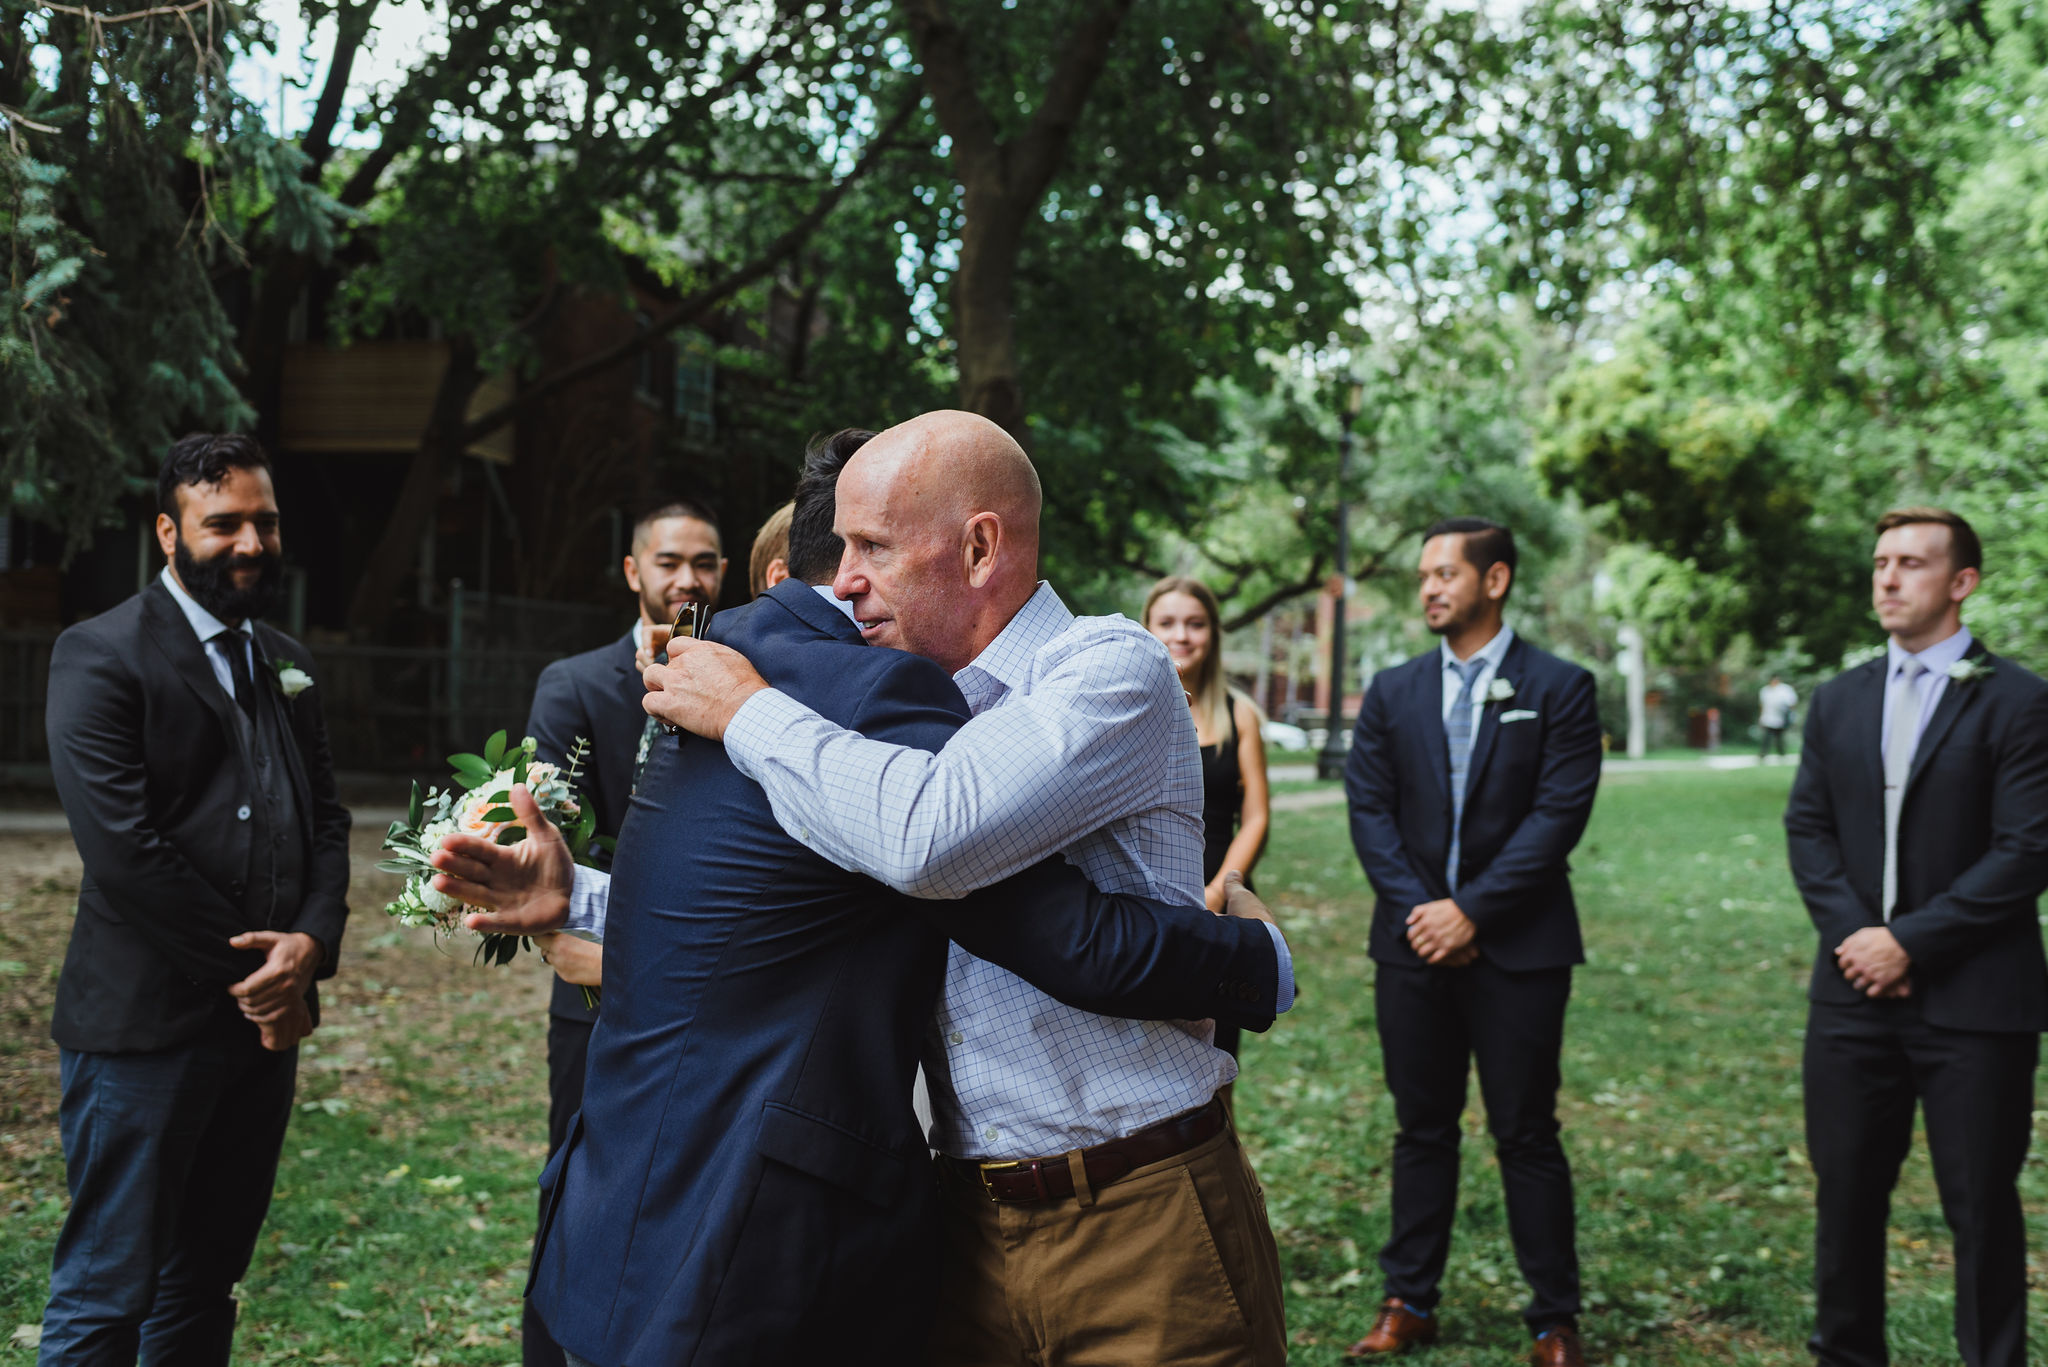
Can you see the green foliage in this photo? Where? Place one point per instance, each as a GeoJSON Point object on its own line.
{"type": "Point", "coordinates": [130, 175]}
{"type": "Point", "coordinates": [1705, 483]}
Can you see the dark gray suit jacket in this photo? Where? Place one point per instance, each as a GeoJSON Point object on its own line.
{"type": "Point", "coordinates": [595, 696]}
{"type": "Point", "coordinates": [152, 772]}
{"type": "Point", "coordinates": [1973, 842]}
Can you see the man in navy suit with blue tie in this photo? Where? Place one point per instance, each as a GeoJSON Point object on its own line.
{"type": "Point", "coordinates": [746, 1181]}
{"type": "Point", "coordinates": [1471, 777]}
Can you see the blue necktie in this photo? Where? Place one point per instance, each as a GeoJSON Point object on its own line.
{"type": "Point", "coordinates": [1458, 729]}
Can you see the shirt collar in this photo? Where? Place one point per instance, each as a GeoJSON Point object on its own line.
{"type": "Point", "coordinates": [204, 624]}
{"type": "Point", "coordinates": [1493, 652]}
{"type": "Point", "coordinates": [845, 605]}
{"type": "Point", "coordinates": [1937, 657]}
{"type": "Point", "coordinates": [1009, 658]}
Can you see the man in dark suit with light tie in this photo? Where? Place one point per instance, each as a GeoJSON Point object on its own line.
{"type": "Point", "coordinates": [187, 744]}
{"type": "Point", "coordinates": [676, 557]}
{"type": "Point", "coordinates": [746, 1182]}
{"type": "Point", "coordinates": [1471, 777]}
{"type": "Point", "coordinates": [1918, 835]}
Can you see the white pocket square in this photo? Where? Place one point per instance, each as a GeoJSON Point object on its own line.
{"type": "Point", "coordinates": [1519, 714]}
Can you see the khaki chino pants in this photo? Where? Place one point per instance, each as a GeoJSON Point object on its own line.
{"type": "Point", "coordinates": [1174, 1264]}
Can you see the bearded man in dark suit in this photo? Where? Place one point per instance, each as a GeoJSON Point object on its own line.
{"type": "Point", "coordinates": [1471, 777]}
{"type": "Point", "coordinates": [188, 748]}
{"type": "Point", "coordinates": [1918, 834]}
{"type": "Point", "coordinates": [676, 557]}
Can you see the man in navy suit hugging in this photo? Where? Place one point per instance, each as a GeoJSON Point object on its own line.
{"type": "Point", "coordinates": [1471, 776]}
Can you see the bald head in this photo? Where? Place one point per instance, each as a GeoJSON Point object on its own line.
{"type": "Point", "coordinates": [959, 464]}
{"type": "Point", "coordinates": [940, 519]}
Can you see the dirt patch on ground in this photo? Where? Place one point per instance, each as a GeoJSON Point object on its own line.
{"type": "Point", "coordinates": [385, 969]}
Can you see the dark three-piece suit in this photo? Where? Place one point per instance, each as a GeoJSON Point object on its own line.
{"type": "Point", "coordinates": [1534, 769]}
{"type": "Point", "coordinates": [196, 820]}
{"type": "Point", "coordinates": [1972, 859]}
{"type": "Point", "coordinates": [746, 1182]}
{"type": "Point", "coordinates": [595, 697]}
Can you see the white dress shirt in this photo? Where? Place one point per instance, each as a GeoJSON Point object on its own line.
{"type": "Point", "coordinates": [1937, 658]}
{"type": "Point", "coordinates": [207, 626]}
{"type": "Point", "coordinates": [1492, 653]}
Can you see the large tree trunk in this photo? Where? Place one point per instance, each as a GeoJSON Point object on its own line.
{"type": "Point", "coordinates": [441, 445]}
{"type": "Point", "coordinates": [984, 309]}
{"type": "Point", "coordinates": [1003, 182]}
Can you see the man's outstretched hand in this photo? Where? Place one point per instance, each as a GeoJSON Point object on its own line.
{"type": "Point", "coordinates": [1241, 901]}
{"type": "Point", "coordinates": [701, 688]}
{"type": "Point", "coordinates": [523, 888]}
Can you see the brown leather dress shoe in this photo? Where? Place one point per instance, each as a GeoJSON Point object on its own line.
{"type": "Point", "coordinates": [1395, 1331]}
{"type": "Point", "coordinates": [1559, 1347]}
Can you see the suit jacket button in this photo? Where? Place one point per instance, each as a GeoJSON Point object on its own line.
{"type": "Point", "coordinates": [242, 812]}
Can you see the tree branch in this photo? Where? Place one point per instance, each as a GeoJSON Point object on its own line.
{"type": "Point", "coordinates": [1036, 155]}
{"type": "Point", "coordinates": [1308, 583]}
{"type": "Point", "coordinates": [352, 25]}
{"type": "Point", "coordinates": [948, 60]}
{"type": "Point", "coordinates": [699, 303]}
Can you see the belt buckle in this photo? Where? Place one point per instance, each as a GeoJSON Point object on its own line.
{"type": "Point", "coordinates": [986, 1170]}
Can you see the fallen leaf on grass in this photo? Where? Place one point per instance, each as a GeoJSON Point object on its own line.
{"type": "Point", "coordinates": [27, 1336]}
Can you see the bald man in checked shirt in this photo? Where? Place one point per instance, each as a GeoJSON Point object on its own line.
{"type": "Point", "coordinates": [1072, 1142]}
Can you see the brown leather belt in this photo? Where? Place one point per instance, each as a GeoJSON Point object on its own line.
{"type": "Point", "coordinates": [1033, 1181]}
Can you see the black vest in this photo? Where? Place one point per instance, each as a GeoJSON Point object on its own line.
{"type": "Point", "coordinates": [276, 884]}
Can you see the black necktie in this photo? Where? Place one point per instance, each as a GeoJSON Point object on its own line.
{"type": "Point", "coordinates": [234, 643]}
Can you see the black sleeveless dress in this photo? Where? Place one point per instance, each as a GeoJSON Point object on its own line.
{"type": "Point", "coordinates": [1222, 808]}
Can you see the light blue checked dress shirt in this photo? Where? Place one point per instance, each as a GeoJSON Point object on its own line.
{"type": "Point", "coordinates": [1488, 658]}
{"type": "Point", "coordinates": [1081, 742]}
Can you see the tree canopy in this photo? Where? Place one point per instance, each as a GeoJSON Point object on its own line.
{"type": "Point", "coordinates": [1708, 285]}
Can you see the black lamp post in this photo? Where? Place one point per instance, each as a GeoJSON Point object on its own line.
{"type": "Point", "coordinates": [1330, 763]}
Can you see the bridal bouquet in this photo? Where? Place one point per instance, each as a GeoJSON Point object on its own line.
{"type": "Point", "coordinates": [478, 803]}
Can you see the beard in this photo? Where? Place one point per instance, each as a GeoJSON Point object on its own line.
{"type": "Point", "coordinates": [212, 585]}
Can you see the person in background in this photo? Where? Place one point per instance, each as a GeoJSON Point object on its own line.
{"type": "Point", "coordinates": [768, 565]}
{"type": "Point", "coordinates": [1917, 831]}
{"type": "Point", "coordinates": [1471, 777]}
{"type": "Point", "coordinates": [1774, 715]}
{"type": "Point", "coordinates": [189, 750]}
{"type": "Point", "coordinates": [1236, 809]}
{"type": "Point", "coordinates": [676, 558]}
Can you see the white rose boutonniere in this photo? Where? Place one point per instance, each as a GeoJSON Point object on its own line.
{"type": "Point", "coordinates": [1500, 690]}
{"type": "Point", "coordinates": [291, 680]}
{"type": "Point", "coordinates": [1969, 671]}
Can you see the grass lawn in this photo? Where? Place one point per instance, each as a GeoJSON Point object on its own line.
{"type": "Point", "coordinates": [1681, 1103]}
{"type": "Point", "coordinates": [405, 1201]}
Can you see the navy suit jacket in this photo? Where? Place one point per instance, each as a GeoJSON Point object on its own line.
{"type": "Point", "coordinates": [595, 696]}
{"type": "Point", "coordinates": [746, 1182]}
{"type": "Point", "coordinates": [1973, 842]}
{"type": "Point", "coordinates": [1528, 793]}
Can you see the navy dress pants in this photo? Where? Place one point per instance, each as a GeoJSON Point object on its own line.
{"type": "Point", "coordinates": [1867, 1067]}
{"type": "Point", "coordinates": [1435, 1025]}
{"type": "Point", "coordinates": [170, 1157]}
{"type": "Point", "coordinates": [568, 1048]}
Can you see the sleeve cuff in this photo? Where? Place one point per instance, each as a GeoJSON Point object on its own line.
{"type": "Point", "coordinates": [1283, 993]}
{"type": "Point", "coordinates": [761, 721]}
{"type": "Point", "coordinates": [590, 898]}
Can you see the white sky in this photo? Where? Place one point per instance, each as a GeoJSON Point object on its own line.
{"type": "Point", "coordinates": [287, 83]}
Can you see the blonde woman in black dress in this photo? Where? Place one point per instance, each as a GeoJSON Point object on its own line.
{"type": "Point", "coordinates": [1182, 613]}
